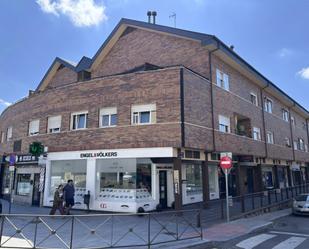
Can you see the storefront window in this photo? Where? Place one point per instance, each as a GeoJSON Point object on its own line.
{"type": "Point", "coordinates": [23, 184]}
{"type": "Point", "coordinates": [116, 176]}
{"type": "Point", "coordinates": [193, 179]}
{"type": "Point", "coordinates": [213, 178]}
{"type": "Point", "coordinates": [267, 177]}
{"type": "Point", "coordinates": [62, 171]}
{"type": "Point", "coordinates": [6, 180]}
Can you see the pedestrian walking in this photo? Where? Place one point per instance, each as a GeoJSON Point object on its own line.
{"type": "Point", "coordinates": [69, 192]}
{"type": "Point", "coordinates": [58, 201]}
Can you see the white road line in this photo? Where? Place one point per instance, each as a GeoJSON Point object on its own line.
{"type": "Point", "coordinates": [290, 243]}
{"type": "Point", "coordinates": [254, 241]}
{"type": "Point", "coordinates": [292, 234]}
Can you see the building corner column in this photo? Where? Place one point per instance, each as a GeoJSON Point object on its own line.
{"type": "Point", "coordinates": [177, 183]}
{"type": "Point", "coordinates": [205, 182]}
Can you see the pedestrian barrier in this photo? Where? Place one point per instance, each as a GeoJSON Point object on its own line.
{"type": "Point", "coordinates": [100, 230]}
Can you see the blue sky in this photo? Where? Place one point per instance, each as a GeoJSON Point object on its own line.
{"type": "Point", "coordinates": [271, 35]}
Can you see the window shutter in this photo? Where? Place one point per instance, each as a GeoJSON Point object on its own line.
{"type": "Point", "coordinates": [226, 82]}
{"type": "Point", "coordinates": [34, 126]}
{"type": "Point", "coordinates": [54, 122]}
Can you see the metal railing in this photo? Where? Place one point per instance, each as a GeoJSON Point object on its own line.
{"type": "Point", "coordinates": [247, 203]}
{"type": "Point", "coordinates": [100, 230]}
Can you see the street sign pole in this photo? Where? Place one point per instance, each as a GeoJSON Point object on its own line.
{"type": "Point", "coordinates": [227, 196]}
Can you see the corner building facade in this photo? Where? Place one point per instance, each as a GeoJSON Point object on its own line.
{"type": "Point", "coordinates": [141, 125]}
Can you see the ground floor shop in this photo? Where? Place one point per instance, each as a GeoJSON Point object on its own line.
{"type": "Point", "coordinates": [125, 180]}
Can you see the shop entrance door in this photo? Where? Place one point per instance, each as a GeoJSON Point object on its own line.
{"type": "Point", "coordinates": [163, 188]}
{"type": "Point", "coordinates": [250, 180]}
{"type": "Point", "coordinates": [36, 192]}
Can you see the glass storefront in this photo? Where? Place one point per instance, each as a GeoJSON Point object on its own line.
{"type": "Point", "coordinates": [62, 171]}
{"type": "Point", "coordinates": [193, 179]}
{"type": "Point", "coordinates": [6, 181]}
{"type": "Point", "coordinates": [267, 178]}
{"type": "Point", "coordinates": [23, 184]}
{"type": "Point", "coordinates": [213, 182]}
{"type": "Point", "coordinates": [123, 178]}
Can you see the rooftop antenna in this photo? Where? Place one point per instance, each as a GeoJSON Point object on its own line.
{"type": "Point", "coordinates": [173, 15]}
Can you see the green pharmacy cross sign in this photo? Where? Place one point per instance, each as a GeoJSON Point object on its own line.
{"type": "Point", "coordinates": [36, 149]}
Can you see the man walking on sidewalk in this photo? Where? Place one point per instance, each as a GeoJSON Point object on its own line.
{"type": "Point", "coordinates": [58, 201]}
{"type": "Point", "coordinates": [69, 192]}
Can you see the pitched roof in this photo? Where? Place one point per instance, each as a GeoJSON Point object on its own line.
{"type": "Point", "coordinates": [207, 40]}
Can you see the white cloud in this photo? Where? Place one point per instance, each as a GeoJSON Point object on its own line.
{"type": "Point", "coordinates": [5, 103]}
{"type": "Point", "coordinates": [304, 73]}
{"type": "Point", "coordinates": [284, 52]}
{"type": "Point", "coordinates": [80, 12]}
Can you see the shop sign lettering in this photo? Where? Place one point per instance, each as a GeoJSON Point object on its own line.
{"type": "Point", "coordinates": [99, 154]}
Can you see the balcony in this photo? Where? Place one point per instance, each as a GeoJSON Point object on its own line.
{"type": "Point", "coordinates": [242, 125]}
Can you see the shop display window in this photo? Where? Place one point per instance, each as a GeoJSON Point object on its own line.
{"type": "Point", "coordinates": [193, 179]}
{"type": "Point", "coordinates": [123, 179]}
{"type": "Point", "coordinates": [267, 177]}
{"type": "Point", "coordinates": [213, 178]}
{"type": "Point", "coordinates": [23, 184]}
{"type": "Point", "coordinates": [62, 171]}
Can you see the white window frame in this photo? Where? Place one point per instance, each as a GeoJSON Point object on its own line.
{"type": "Point", "coordinates": [285, 115]}
{"type": "Point", "coordinates": [51, 128]}
{"type": "Point", "coordinates": [268, 105]}
{"type": "Point", "coordinates": [136, 111]}
{"type": "Point", "coordinates": [270, 137]}
{"type": "Point", "coordinates": [107, 111]}
{"type": "Point", "coordinates": [287, 142]}
{"type": "Point", "coordinates": [256, 98]}
{"type": "Point", "coordinates": [2, 137]}
{"type": "Point", "coordinates": [225, 122]}
{"type": "Point", "coordinates": [74, 119]}
{"type": "Point", "coordinates": [222, 80]}
{"type": "Point", "coordinates": [31, 131]}
{"type": "Point", "coordinates": [257, 133]}
{"type": "Point", "coordinates": [293, 121]}
{"type": "Point", "coordinates": [301, 143]}
{"type": "Point", "coordinates": [295, 145]}
{"type": "Point", "coordinates": [9, 133]}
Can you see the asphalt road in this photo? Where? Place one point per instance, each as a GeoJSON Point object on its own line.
{"type": "Point", "coordinates": [290, 232]}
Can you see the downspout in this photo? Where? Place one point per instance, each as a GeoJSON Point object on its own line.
{"type": "Point", "coordinates": [212, 95]}
{"type": "Point", "coordinates": [291, 129]}
{"type": "Point", "coordinates": [263, 117]}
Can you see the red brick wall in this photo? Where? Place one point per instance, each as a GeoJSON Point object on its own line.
{"type": "Point", "coordinates": [62, 77]}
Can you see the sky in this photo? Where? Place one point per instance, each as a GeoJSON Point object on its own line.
{"type": "Point", "coordinates": [271, 35]}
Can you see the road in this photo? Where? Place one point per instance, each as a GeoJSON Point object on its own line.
{"type": "Point", "coordinates": [289, 232]}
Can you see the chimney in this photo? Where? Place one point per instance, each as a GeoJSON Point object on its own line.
{"type": "Point", "coordinates": [149, 16]}
{"type": "Point", "coordinates": [154, 14]}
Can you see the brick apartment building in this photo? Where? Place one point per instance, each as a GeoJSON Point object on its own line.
{"type": "Point", "coordinates": [144, 122]}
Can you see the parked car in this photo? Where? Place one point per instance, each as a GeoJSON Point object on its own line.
{"type": "Point", "coordinates": [301, 204]}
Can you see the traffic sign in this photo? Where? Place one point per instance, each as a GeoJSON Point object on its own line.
{"type": "Point", "coordinates": [226, 162]}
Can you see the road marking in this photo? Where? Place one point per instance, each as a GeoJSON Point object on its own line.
{"type": "Point", "coordinates": [292, 234]}
{"type": "Point", "coordinates": [254, 241]}
{"type": "Point", "coordinates": [290, 243]}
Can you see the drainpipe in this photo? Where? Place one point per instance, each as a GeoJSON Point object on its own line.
{"type": "Point", "coordinates": [263, 117]}
{"type": "Point", "coordinates": [212, 94]}
{"type": "Point", "coordinates": [291, 129]}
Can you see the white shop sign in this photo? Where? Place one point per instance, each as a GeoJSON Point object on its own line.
{"type": "Point", "coordinates": [119, 153]}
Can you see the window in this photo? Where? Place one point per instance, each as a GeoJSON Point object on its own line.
{"type": "Point", "coordinates": [23, 184]}
{"type": "Point", "coordinates": [63, 170]}
{"type": "Point", "coordinates": [270, 137]}
{"type": "Point", "coordinates": [301, 144]}
{"type": "Point", "coordinates": [223, 80]}
{"type": "Point", "coordinates": [306, 147]}
{"type": "Point", "coordinates": [34, 127]}
{"type": "Point", "coordinates": [254, 99]}
{"type": "Point", "coordinates": [268, 105]}
{"type": "Point", "coordinates": [193, 179]}
{"type": "Point", "coordinates": [256, 133]}
{"type": "Point", "coordinates": [285, 115]}
{"type": "Point", "coordinates": [108, 117]}
{"type": "Point", "coordinates": [9, 134]}
{"type": "Point", "coordinates": [54, 124]}
{"type": "Point", "coordinates": [287, 142]}
{"type": "Point", "coordinates": [144, 114]}
{"type": "Point", "coordinates": [79, 120]}
{"type": "Point", "coordinates": [2, 137]}
{"type": "Point", "coordinates": [224, 124]}
{"type": "Point", "coordinates": [295, 144]}
{"type": "Point", "coordinates": [304, 126]}
{"type": "Point", "coordinates": [293, 121]}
